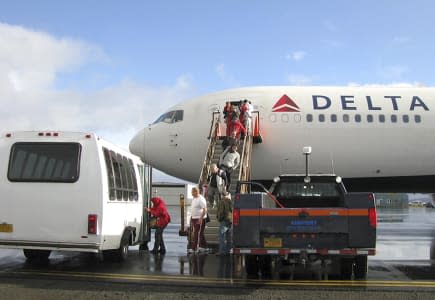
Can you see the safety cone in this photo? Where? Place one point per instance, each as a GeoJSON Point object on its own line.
{"type": "Point", "coordinates": [257, 139]}
{"type": "Point", "coordinates": [256, 127]}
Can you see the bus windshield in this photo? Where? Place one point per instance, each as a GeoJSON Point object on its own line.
{"type": "Point", "coordinates": [44, 162]}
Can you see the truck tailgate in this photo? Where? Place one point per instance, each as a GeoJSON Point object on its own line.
{"type": "Point", "coordinates": [298, 228]}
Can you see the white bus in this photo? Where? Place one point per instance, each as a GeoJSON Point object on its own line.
{"type": "Point", "coordinates": [71, 191]}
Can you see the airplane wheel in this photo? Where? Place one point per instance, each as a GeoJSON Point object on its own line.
{"type": "Point", "coordinates": [361, 267]}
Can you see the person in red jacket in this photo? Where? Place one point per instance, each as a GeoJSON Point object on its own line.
{"type": "Point", "coordinates": [159, 212]}
{"type": "Point", "coordinates": [238, 127]}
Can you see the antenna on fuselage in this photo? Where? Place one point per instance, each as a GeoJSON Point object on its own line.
{"type": "Point", "coordinates": [332, 163]}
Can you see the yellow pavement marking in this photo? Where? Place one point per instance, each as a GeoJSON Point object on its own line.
{"type": "Point", "coordinates": [238, 281]}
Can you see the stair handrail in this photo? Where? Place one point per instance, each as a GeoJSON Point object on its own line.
{"type": "Point", "coordinates": [245, 160]}
{"type": "Point", "coordinates": [214, 130]}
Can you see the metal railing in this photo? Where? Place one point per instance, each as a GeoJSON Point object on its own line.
{"type": "Point", "coordinates": [245, 155]}
{"type": "Point", "coordinates": [245, 160]}
{"type": "Point", "coordinates": [213, 135]}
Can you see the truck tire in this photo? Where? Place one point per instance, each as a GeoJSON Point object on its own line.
{"type": "Point", "coordinates": [265, 263]}
{"type": "Point", "coordinates": [361, 267]}
{"type": "Point", "coordinates": [32, 254]}
{"type": "Point", "coordinates": [251, 264]}
{"type": "Point", "coordinates": [346, 265]}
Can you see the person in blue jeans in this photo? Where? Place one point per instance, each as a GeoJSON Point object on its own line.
{"type": "Point", "coordinates": [225, 218]}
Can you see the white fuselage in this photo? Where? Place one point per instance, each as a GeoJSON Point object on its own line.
{"type": "Point", "coordinates": [355, 132]}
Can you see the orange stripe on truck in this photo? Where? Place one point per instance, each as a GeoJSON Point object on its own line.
{"type": "Point", "coordinates": [296, 212]}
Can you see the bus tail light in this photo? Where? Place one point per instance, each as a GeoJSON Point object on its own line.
{"type": "Point", "coordinates": [92, 224]}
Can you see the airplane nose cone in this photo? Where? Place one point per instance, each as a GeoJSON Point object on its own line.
{"type": "Point", "coordinates": [137, 144]}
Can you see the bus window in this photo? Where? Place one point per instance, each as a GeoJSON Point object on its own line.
{"type": "Point", "coordinates": [110, 174]}
{"type": "Point", "coordinates": [118, 179]}
{"type": "Point", "coordinates": [44, 162]}
{"type": "Point", "coordinates": [123, 168]}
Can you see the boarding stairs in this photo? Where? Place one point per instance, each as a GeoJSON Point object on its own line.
{"type": "Point", "coordinates": [242, 173]}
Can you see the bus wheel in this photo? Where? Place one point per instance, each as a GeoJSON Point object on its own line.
{"type": "Point", "coordinates": [32, 254]}
{"type": "Point", "coordinates": [122, 252]}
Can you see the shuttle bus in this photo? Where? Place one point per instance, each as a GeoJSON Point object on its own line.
{"type": "Point", "coordinates": [71, 191]}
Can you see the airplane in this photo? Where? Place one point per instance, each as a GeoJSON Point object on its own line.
{"type": "Point", "coordinates": [378, 139]}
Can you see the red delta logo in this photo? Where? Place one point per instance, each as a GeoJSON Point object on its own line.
{"type": "Point", "coordinates": [285, 104]}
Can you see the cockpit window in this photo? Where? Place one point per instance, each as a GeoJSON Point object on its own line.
{"type": "Point", "coordinates": [170, 117]}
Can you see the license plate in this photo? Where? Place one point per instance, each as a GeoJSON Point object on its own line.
{"type": "Point", "coordinates": [6, 227]}
{"type": "Point", "coordinates": [272, 242]}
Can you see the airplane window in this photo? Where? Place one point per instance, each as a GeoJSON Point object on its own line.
{"type": "Point", "coordinates": [170, 117]}
{"type": "Point", "coordinates": [334, 118]}
{"type": "Point", "coordinates": [321, 118]}
{"type": "Point", "coordinates": [405, 118]}
{"type": "Point", "coordinates": [370, 118]}
{"type": "Point", "coordinates": [358, 118]}
{"type": "Point", "coordinates": [346, 118]}
{"type": "Point", "coordinates": [393, 118]}
{"type": "Point", "coordinates": [417, 119]}
{"type": "Point", "coordinates": [309, 118]}
{"type": "Point", "coordinates": [178, 117]}
{"type": "Point", "coordinates": [382, 118]}
{"type": "Point", "coordinates": [164, 117]}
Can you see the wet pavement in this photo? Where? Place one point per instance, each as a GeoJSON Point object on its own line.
{"type": "Point", "coordinates": [404, 259]}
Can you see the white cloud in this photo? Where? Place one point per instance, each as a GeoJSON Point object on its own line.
{"type": "Point", "coordinates": [299, 80]}
{"type": "Point", "coordinates": [296, 56]}
{"type": "Point", "coordinates": [393, 84]}
{"type": "Point", "coordinates": [393, 72]}
{"type": "Point", "coordinates": [30, 62]}
{"type": "Point", "coordinates": [401, 40]}
{"type": "Point", "coordinates": [334, 44]}
{"type": "Point", "coordinates": [225, 76]}
{"type": "Point", "coordinates": [330, 26]}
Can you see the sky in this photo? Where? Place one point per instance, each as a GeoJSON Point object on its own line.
{"type": "Point", "coordinates": [112, 67]}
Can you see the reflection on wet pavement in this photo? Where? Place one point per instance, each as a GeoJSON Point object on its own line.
{"type": "Point", "coordinates": [405, 250]}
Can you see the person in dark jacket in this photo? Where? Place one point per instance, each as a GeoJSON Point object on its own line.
{"type": "Point", "coordinates": [225, 218]}
{"type": "Point", "coordinates": [159, 212]}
